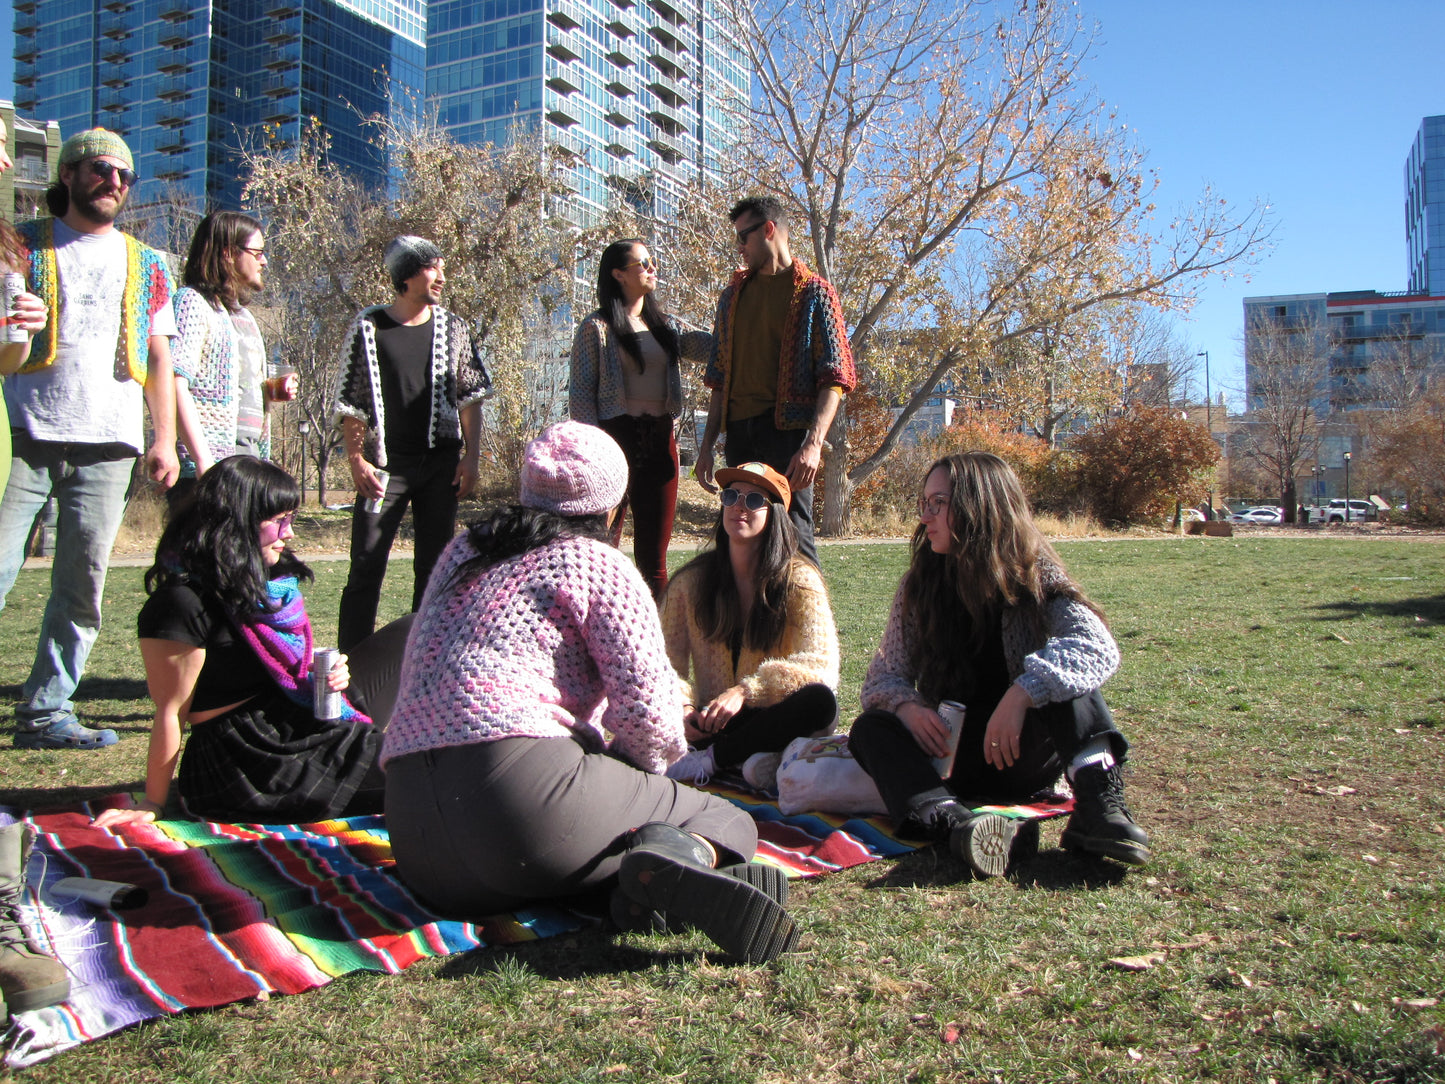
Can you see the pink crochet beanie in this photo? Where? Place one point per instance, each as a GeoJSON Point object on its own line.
{"type": "Point", "coordinates": [574, 470]}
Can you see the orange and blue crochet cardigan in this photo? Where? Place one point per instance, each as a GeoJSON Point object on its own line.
{"type": "Point", "coordinates": [815, 353]}
{"type": "Point", "coordinates": [147, 289]}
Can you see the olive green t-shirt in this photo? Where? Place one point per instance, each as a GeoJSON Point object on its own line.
{"type": "Point", "coordinates": [757, 343]}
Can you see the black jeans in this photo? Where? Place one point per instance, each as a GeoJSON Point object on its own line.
{"type": "Point", "coordinates": [1052, 736]}
{"type": "Point", "coordinates": [425, 483]}
{"type": "Point", "coordinates": [758, 440]}
{"type": "Point", "coordinates": [811, 710]}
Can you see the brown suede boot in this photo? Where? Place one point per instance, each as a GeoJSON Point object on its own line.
{"type": "Point", "coordinates": [29, 978]}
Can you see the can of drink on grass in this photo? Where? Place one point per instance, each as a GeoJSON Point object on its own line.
{"type": "Point", "coordinates": [326, 705]}
{"type": "Point", "coordinates": [373, 504]}
{"type": "Point", "coordinates": [14, 287]}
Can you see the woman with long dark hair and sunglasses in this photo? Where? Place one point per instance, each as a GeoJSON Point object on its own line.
{"type": "Point", "coordinates": [626, 379]}
{"type": "Point", "coordinates": [987, 616]}
{"type": "Point", "coordinates": [750, 633]}
{"type": "Point", "coordinates": [227, 648]}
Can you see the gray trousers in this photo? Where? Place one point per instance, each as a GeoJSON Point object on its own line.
{"type": "Point", "coordinates": [485, 828]}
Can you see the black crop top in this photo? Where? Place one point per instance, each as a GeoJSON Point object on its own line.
{"type": "Point", "coordinates": [232, 672]}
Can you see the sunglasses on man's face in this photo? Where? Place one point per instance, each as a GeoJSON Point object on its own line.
{"type": "Point", "coordinates": [747, 231]}
{"type": "Point", "coordinates": [753, 502]}
{"type": "Point", "coordinates": [106, 172]}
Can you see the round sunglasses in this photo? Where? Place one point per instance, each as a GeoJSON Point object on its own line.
{"type": "Point", "coordinates": [753, 502]}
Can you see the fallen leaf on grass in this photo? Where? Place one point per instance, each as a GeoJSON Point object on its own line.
{"type": "Point", "coordinates": [1370, 858]}
{"type": "Point", "coordinates": [1136, 963]}
{"type": "Point", "coordinates": [1337, 636]}
{"type": "Point", "coordinates": [950, 1034]}
{"type": "Point", "coordinates": [1415, 1003]}
{"type": "Point", "coordinates": [1135, 1055]}
{"type": "Point", "coordinates": [1333, 792]}
{"type": "Point", "coordinates": [613, 1070]}
{"type": "Point", "coordinates": [1199, 942]}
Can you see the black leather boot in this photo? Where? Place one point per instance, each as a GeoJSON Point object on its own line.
{"type": "Point", "coordinates": [1101, 823]}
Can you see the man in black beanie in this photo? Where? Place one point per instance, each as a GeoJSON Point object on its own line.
{"type": "Point", "coordinates": [410, 405]}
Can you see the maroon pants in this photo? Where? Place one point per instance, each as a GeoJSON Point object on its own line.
{"type": "Point", "coordinates": [651, 450]}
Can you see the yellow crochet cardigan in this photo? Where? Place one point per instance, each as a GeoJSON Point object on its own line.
{"type": "Point", "coordinates": [808, 652]}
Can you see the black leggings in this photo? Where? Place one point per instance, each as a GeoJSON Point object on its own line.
{"type": "Point", "coordinates": [1051, 737]}
{"type": "Point", "coordinates": [810, 711]}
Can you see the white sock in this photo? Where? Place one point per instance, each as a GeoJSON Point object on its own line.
{"type": "Point", "coordinates": [1096, 752]}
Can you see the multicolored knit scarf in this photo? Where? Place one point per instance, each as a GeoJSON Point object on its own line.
{"type": "Point", "coordinates": [281, 639]}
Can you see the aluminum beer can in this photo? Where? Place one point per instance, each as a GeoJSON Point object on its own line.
{"type": "Point", "coordinates": [14, 287]}
{"type": "Point", "coordinates": [373, 504]}
{"type": "Point", "coordinates": [952, 713]}
{"type": "Point", "coordinates": [326, 705]}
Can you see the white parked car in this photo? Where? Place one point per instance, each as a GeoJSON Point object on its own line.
{"type": "Point", "coordinates": [1257, 515]}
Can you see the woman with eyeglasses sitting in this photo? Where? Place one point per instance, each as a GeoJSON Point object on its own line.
{"type": "Point", "coordinates": [626, 379]}
{"type": "Point", "coordinates": [227, 648]}
{"type": "Point", "coordinates": [749, 622]}
{"type": "Point", "coordinates": [988, 617]}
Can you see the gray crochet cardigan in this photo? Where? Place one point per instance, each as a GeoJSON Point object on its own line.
{"type": "Point", "coordinates": [1076, 657]}
{"type": "Point", "coordinates": [458, 378]}
{"type": "Point", "coordinates": [596, 390]}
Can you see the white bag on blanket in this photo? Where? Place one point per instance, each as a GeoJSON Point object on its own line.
{"type": "Point", "coordinates": [819, 775]}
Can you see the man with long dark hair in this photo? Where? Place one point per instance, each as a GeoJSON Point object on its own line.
{"type": "Point", "coordinates": [413, 378]}
{"type": "Point", "coordinates": [77, 415]}
{"type": "Point", "coordinates": [220, 358]}
{"type": "Point", "coordinates": [781, 362]}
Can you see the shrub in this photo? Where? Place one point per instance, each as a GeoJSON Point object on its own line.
{"type": "Point", "coordinates": [1134, 467]}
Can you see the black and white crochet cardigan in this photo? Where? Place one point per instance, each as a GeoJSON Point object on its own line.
{"type": "Point", "coordinates": [458, 378]}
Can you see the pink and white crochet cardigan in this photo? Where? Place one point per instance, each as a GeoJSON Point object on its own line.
{"type": "Point", "coordinates": [561, 641]}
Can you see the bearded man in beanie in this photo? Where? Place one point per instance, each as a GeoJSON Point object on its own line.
{"type": "Point", "coordinates": [410, 404]}
{"type": "Point", "coordinates": [77, 416]}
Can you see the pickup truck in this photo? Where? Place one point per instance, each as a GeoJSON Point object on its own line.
{"type": "Point", "coordinates": [1334, 511]}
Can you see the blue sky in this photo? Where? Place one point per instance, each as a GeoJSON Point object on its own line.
{"type": "Point", "coordinates": [1309, 105]}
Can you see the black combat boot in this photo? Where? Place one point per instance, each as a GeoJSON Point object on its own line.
{"type": "Point", "coordinates": [1101, 823]}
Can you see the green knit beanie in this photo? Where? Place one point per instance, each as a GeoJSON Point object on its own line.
{"type": "Point", "coordinates": [92, 143]}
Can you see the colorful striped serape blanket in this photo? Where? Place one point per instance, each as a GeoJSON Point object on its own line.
{"type": "Point", "coordinates": [244, 911]}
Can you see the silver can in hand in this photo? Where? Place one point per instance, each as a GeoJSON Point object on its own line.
{"type": "Point", "coordinates": [14, 287]}
{"type": "Point", "coordinates": [952, 713]}
{"type": "Point", "coordinates": [326, 705]}
{"type": "Point", "coordinates": [373, 504]}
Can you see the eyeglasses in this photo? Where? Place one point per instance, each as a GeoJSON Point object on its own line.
{"type": "Point", "coordinates": [648, 264]}
{"type": "Point", "coordinates": [928, 507]}
{"type": "Point", "coordinates": [753, 502]}
{"type": "Point", "coordinates": [105, 171]}
{"type": "Point", "coordinates": [259, 253]}
{"type": "Point", "coordinates": [746, 232]}
{"type": "Point", "coordinates": [281, 523]}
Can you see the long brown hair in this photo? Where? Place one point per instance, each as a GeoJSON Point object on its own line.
{"type": "Point", "coordinates": [210, 263]}
{"type": "Point", "coordinates": [719, 610]}
{"type": "Point", "coordinates": [997, 560]}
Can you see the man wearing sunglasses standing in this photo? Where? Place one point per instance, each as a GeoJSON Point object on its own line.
{"type": "Point", "coordinates": [410, 405]}
{"type": "Point", "coordinates": [780, 364]}
{"type": "Point", "coordinates": [77, 416]}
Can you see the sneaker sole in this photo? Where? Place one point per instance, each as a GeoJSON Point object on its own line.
{"type": "Point", "coordinates": [42, 739]}
{"type": "Point", "coordinates": [738, 916]}
{"type": "Point", "coordinates": [1121, 850]}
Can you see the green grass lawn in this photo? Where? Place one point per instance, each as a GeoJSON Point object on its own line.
{"type": "Point", "coordinates": [1285, 703]}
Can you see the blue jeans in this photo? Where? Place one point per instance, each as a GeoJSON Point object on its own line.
{"type": "Point", "coordinates": [90, 483]}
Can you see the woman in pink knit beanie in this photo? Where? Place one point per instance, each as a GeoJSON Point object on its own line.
{"type": "Point", "coordinates": [536, 715]}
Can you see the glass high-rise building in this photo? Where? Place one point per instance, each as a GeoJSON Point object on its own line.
{"type": "Point", "coordinates": [1425, 208]}
{"type": "Point", "coordinates": [185, 82]}
{"type": "Point", "coordinates": [652, 90]}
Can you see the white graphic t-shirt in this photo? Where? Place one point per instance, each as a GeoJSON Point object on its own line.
{"type": "Point", "coordinates": [86, 396]}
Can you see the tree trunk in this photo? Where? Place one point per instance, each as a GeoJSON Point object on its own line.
{"type": "Point", "coordinates": [837, 489]}
{"type": "Point", "coordinates": [1290, 501]}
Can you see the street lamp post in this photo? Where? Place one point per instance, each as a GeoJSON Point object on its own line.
{"type": "Point", "coordinates": [1208, 420]}
{"type": "Point", "coordinates": [305, 430]}
{"type": "Point", "coordinates": [1348, 516]}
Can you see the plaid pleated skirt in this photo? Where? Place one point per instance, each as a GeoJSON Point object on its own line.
{"type": "Point", "coordinates": [270, 761]}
